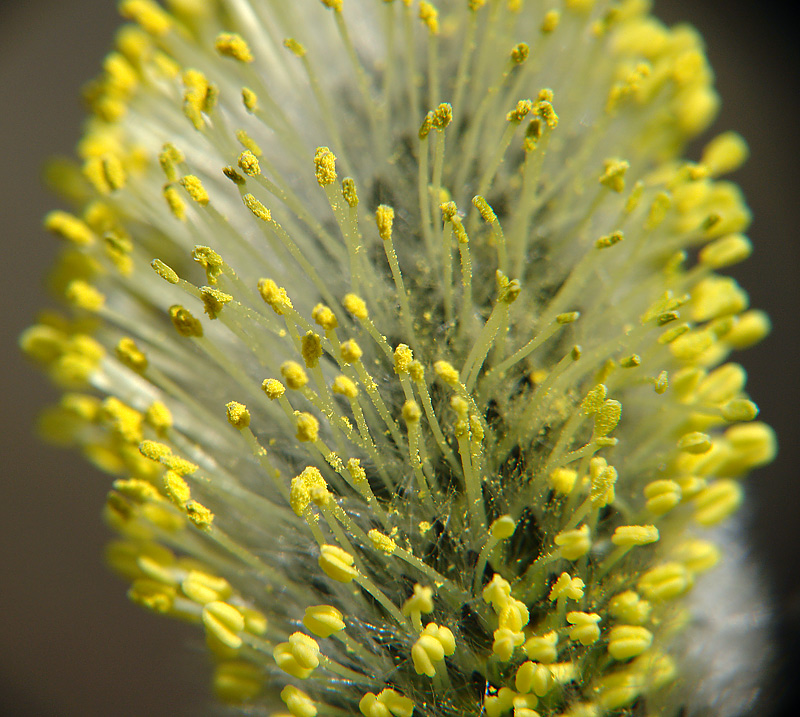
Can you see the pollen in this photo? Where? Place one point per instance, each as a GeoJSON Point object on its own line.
{"type": "Point", "coordinates": [337, 564]}
{"type": "Point", "coordinates": [238, 415]}
{"type": "Point", "coordinates": [356, 306]}
{"type": "Point", "coordinates": [324, 166]}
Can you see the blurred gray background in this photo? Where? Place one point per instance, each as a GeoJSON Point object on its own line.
{"type": "Point", "coordinates": [70, 642]}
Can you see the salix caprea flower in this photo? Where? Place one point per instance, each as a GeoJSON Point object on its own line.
{"type": "Point", "coordinates": [400, 328]}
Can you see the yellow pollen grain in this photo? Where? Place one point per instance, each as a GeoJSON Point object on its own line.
{"type": "Point", "coordinates": [234, 46]}
{"type": "Point", "coordinates": [176, 488]}
{"type": "Point", "coordinates": [447, 372]}
{"type": "Point", "coordinates": [174, 201]}
{"type": "Point", "coordinates": [613, 176]}
{"type": "Point", "coordinates": [550, 22]}
{"type": "Point", "coordinates": [382, 542]}
{"type": "Point", "coordinates": [148, 14]}
{"type": "Point", "coordinates": [349, 192]}
{"type": "Point", "coordinates": [335, 5]}
{"type": "Point", "coordinates": [248, 142]}
{"type": "Point", "coordinates": [84, 296]}
{"type": "Point", "coordinates": [199, 515]}
{"type": "Point", "coordinates": [442, 116]}
{"type": "Point", "coordinates": [351, 351]}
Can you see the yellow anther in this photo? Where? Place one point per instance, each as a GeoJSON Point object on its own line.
{"type": "Point", "coordinates": [752, 327]}
{"type": "Point", "coordinates": [739, 409]}
{"type": "Point", "coordinates": [195, 189]}
{"type": "Point", "coordinates": [238, 415]}
{"type": "Point", "coordinates": [613, 175]}
{"type": "Point", "coordinates": [152, 594]}
{"type": "Point", "coordinates": [224, 622]}
{"type": "Point", "coordinates": [299, 657]}
{"type": "Point", "coordinates": [662, 496]}
{"type": "Point", "coordinates": [542, 648]}
{"type": "Point", "coordinates": [249, 99]}
{"type": "Point", "coordinates": [717, 296]}
{"type": "Point", "coordinates": [403, 356]}
{"type": "Point", "coordinates": [248, 163]}
{"type": "Point", "coordinates": [426, 126]}
{"type": "Point", "coordinates": [210, 261]}
{"type": "Point", "coordinates": [416, 370]}
{"type": "Point", "coordinates": [384, 217]}
{"type": "Point", "coordinates": [129, 354]}
{"type": "Point", "coordinates": [125, 421]}
{"type": "Point", "coordinates": [297, 701]}
{"type": "Point", "coordinates": [544, 109]}
{"type": "Point", "coordinates": [83, 295]}
{"type": "Point", "coordinates": [585, 628]}
{"type": "Point", "coordinates": [697, 555]}
{"type": "Point", "coordinates": [573, 544]}
{"type": "Point", "coordinates": [169, 157]}
{"type": "Point", "coordinates": [356, 306]}
{"type": "Point", "coordinates": [411, 411]}
{"type": "Point", "coordinates": [351, 351]}
{"type": "Point", "coordinates": [661, 383]}
{"type": "Point", "coordinates": [323, 620]}
{"type": "Point", "coordinates": [324, 166]}
{"type": "Point", "coordinates": [718, 501]}
{"type": "Point", "coordinates": [695, 442]}
{"type": "Point", "coordinates": [307, 427]}
{"type": "Point", "coordinates": [536, 678]}
{"type": "Point", "coordinates": [274, 295]}
{"type": "Point", "coordinates": [176, 488]}
{"type": "Point", "coordinates": [257, 208]}
{"type": "Point", "coordinates": [751, 444]}
{"type": "Point", "coordinates": [447, 373]}
{"type": "Point", "coordinates": [513, 616]}
{"type": "Point", "coordinates": [626, 641]}
{"type": "Point", "coordinates": [486, 212]}
{"type": "Point", "coordinates": [164, 271]}
{"type": "Point", "coordinates": [568, 317]}
{"type": "Point", "coordinates": [550, 22]}
{"type": "Point", "coordinates": [154, 450]}
{"type": "Point", "coordinates": [520, 112]}
{"type": "Point", "coordinates": [148, 14]}
{"type": "Point", "coordinates": [432, 646]}
{"type": "Point", "coordinates": [105, 172]}
{"type": "Point", "coordinates": [442, 116]}
{"type": "Point", "coordinates": [337, 564]}
{"type": "Point", "coordinates": [248, 142]}
{"type": "Point", "coordinates": [137, 490]}
{"type": "Point", "coordinates": [200, 516]}
{"type": "Point", "coordinates": [311, 349]}
{"type": "Point", "coordinates": [607, 418]}
{"type": "Point", "coordinates": [421, 602]}
{"type": "Point", "coordinates": [609, 240]}
{"type": "Point", "coordinates": [233, 45]}
{"type": "Point", "coordinates": [237, 682]}
{"type": "Point", "coordinates": [273, 388]}
{"type": "Point", "coordinates": [503, 527]}
{"type": "Point", "coordinates": [629, 608]}
{"type": "Point", "coordinates": [345, 387]}
{"type": "Point", "coordinates": [388, 702]}
{"type": "Point", "coordinates": [725, 153]}
{"type": "Point", "coordinates": [213, 301]}
{"type": "Point", "coordinates": [594, 399]}
{"type": "Point", "coordinates": [562, 480]}
{"type": "Point", "coordinates": [294, 375]}
{"type": "Point", "coordinates": [335, 5]}
{"type": "Point", "coordinates": [567, 588]}
{"type": "Point", "coordinates": [632, 535]}
{"type": "Point", "coordinates": [199, 97]}
{"type": "Point", "coordinates": [726, 251]}
{"type": "Point", "coordinates": [520, 53]}
{"type": "Point", "coordinates": [665, 582]}
{"type": "Point", "coordinates": [203, 588]}
{"type": "Point", "coordinates": [603, 479]}
{"type": "Point", "coordinates": [69, 227]}
{"type": "Point", "coordinates": [349, 192]}
{"type": "Point", "coordinates": [429, 16]}
{"type": "Point", "coordinates": [294, 47]}
{"type": "Point", "coordinates": [324, 317]}
{"type": "Point", "coordinates": [382, 542]}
